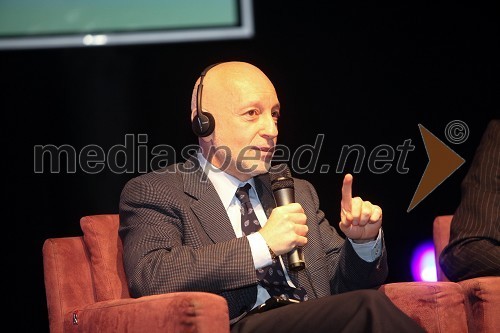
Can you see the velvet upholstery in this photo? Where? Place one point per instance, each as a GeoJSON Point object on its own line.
{"type": "Point", "coordinates": [482, 294]}
{"type": "Point", "coordinates": [87, 291]}
{"type": "Point", "coordinates": [174, 312]}
{"type": "Point", "coordinates": [482, 300]}
{"type": "Point", "coordinates": [441, 237]}
{"type": "Point", "coordinates": [68, 280]}
{"type": "Point", "coordinates": [437, 307]}
{"type": "Point", "coordinates": [100, 234]}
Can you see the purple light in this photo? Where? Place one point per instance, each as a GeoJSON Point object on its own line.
{"type": "Point", "coordinates": [423, 263]}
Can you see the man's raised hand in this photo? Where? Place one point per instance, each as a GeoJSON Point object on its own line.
{"type": "Point", "coordinates": [359, 220]}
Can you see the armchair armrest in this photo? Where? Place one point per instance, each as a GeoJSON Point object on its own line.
{"type": "Point", "coordinates": [173, 312]}
{"type": "Point", "coordinates": [482, 300]}
{"type": "Point", "coordinates": [436, 306]}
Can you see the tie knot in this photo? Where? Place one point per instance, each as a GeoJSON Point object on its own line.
{"type": "Point", "coordinates": [242, 193]}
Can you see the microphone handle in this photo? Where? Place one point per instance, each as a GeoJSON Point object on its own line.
{"type": "Point", "coordinates": [284, 196]}
{"type": "Point", "coordinates": [296, 260]}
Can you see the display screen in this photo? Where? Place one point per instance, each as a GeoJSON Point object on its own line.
{"type": "Point", "coordinates": [58, 23]}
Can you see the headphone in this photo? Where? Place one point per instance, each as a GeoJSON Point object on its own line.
{"type": "Point", "coordinates": [203, 123]}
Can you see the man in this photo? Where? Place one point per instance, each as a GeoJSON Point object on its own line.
{"type": "Point", "coordinates": [184, 229]}
{"type": "Point", "coordinates": [474, 247]}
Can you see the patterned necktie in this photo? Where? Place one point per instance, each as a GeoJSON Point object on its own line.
{"type": "Point", "coordinates": [272, 277]}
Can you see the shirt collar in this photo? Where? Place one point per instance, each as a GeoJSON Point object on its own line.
{"type": "Point", "coordinates": [225, 184]}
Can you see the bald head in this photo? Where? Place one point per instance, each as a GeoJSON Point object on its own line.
{"type": "Point", "coordinates": [245, 107]}
{"type": "Point", "coordinates": [225, 81]}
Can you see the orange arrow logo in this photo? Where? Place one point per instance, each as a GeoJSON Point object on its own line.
{"type": "Point", "coordinates": [442, 163]}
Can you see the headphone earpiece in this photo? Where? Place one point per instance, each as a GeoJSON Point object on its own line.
{"type": "Point", "coordinates": [203, 123]}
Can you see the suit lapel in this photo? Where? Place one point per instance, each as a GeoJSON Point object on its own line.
{"type": "Point", "coordinates": [211, 212]}
{"type": "Point", "coordinates": [207, 207]}
{"type": "Point", "coordinates": [263, 189]}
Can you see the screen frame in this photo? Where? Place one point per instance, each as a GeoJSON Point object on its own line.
{"type": "Point", "coordinates": [245, 29]}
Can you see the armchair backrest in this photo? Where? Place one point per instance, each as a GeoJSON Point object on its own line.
{"type": "Point", "coordinates": [441, 238]}
{"type": "Point", "coordinates": [84, 269]}
{"type": "Point", "coordinates": [100, 235]}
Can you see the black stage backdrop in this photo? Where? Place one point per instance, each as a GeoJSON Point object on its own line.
{"type": "Point", "coordinates": [367, 75]}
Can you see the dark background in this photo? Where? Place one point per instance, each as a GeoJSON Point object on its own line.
{"type": "Point", "coordinates": [367, 74]}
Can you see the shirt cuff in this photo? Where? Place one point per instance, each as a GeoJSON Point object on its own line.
{"type": "Point", "coordinates": [260, 251]}
{"type": "Point", "coordinates": [371, 250]}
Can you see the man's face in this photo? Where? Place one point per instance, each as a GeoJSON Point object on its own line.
{"type": "Point", "coordinates": [246, 110]}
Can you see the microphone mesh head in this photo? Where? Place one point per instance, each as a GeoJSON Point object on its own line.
{"type": "Point", "coordinates": [281, 177]}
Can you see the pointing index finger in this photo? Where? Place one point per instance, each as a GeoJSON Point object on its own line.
{"type": "Point", "coordinates": [347, 192]}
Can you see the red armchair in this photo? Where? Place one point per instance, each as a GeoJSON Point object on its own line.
{"type": "Point", "coordinates": [87, 291]}
{"type": "Point", "coordinates": [482, 294]}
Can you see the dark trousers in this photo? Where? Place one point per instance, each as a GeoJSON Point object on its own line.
{"type": "Point", "coordinates": [356, 311]}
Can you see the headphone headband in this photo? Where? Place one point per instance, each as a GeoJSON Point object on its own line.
{"type": "Point", "coordinates": [204, 123]}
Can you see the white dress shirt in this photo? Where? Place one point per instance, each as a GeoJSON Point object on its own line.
{"type": "Point", "coordinates": [226, 186]}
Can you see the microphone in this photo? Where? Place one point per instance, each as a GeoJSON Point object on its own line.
{"type": "Point", "coordinates": [284, 193]}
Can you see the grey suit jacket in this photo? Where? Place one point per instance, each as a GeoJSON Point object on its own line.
{"type": "Point", "coordinates": [177, 236]}
{"type": "Point", "coordinates": [474, 247]}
